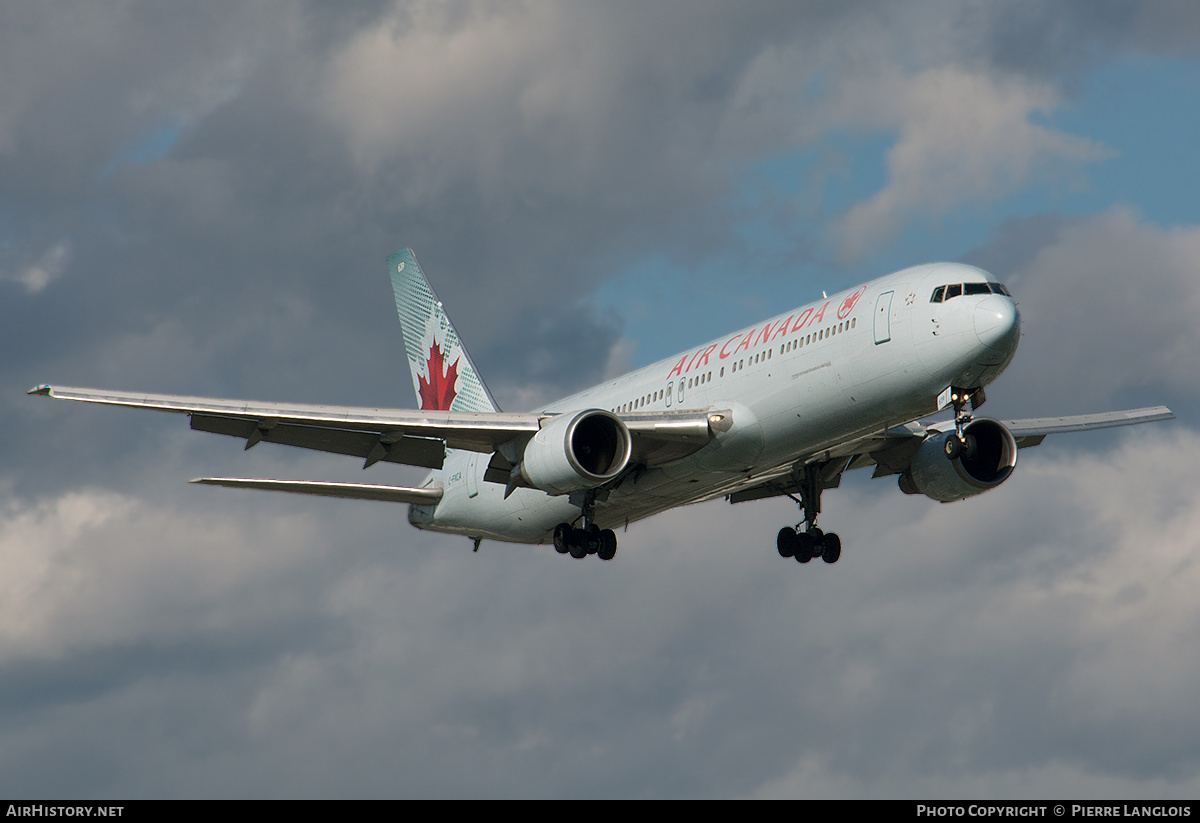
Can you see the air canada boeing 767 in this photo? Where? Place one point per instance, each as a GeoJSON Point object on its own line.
{"type": "Point", "coordinates": [781, 408]}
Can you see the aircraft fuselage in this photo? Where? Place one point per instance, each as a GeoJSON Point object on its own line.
{"type": "Point", "coordinates": [864, 360]}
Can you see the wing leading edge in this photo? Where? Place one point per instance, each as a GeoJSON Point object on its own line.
{"type": "Point", "coordinates": [358, 491]}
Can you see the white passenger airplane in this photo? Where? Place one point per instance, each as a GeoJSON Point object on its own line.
{"type": "Point", "coordinates": [781, 408]}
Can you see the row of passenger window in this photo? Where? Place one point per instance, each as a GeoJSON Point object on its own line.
{"type": "Point", "coordinates": [944, 293]}
{"type": "Point", "coordinates": [739, 365]}
{"type": "Point", "coordinates": [653, 397]}
{"type": "Point", "coordinates": [829, 331]}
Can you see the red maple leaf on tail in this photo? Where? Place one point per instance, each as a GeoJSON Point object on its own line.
{"type": "Point", "coordinates": [438, 392]}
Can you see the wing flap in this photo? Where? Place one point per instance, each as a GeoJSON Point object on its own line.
{"type": "Point", "coordinates": [357, 491]}
{"type": "Point", "coordinates": [410, 451]}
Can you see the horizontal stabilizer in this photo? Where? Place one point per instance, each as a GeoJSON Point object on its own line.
{"type": "Point", "coordinates": [359, 491]}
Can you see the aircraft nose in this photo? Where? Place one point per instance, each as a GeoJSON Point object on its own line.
{"type": "Point", "coordinates": [997, 323]}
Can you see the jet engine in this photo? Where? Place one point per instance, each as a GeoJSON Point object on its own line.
{"type": "Point", "coordinates": [946, 471]}
{"type": "Point", "coordinates": [576, 451]}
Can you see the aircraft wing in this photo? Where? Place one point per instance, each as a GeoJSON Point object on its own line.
{"type": "Point", "coordinates": [408, 436]}
{"type": "Point", "coordinates": [412, 437]}
{"type": "Point", "coordinates": [1032, 431]}
{"type": "Point", "coordinates": [891, 451]}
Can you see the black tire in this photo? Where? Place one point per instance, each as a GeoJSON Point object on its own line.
{"type": "Point", "coordinates": [785, 542]}
{"type": "Point", "coordinates": [833, 548]}
{"type": "Point", "coordinates": [969, 446]}
{"type": "Point", "coordinates": [562, 538]}
{"type": "Point", "coordinates": [578, 544]}
{"type": "Point", "coordinates": [804, 547]}
{"type": "Point", "coordinates": [608, 545]}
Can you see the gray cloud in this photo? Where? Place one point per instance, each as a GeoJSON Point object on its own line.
{"type": "Point", "coordinates": [951, 640]}
{"type": "Point", "coordinates": [1107, 305]}
{"type": "Point", "coordinates": [1064, 40]}
{"type": "Point", "coordinates": [964, 138]}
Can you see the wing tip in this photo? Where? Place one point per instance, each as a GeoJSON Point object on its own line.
{"type": "Point", "coordinates": [1151, 414]}
{"type": "Point", "coordinates": [42, 389]}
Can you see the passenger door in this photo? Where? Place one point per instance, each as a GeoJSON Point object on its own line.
{"type": "Point", "coordinates": [883, 318]}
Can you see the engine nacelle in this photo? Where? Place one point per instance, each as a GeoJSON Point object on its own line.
{"type": "Point", "coordinates": [988, 460]}
{"type": "Point", "coordinates": [576, 451]}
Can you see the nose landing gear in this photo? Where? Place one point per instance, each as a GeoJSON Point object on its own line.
{"type": "Point", "coordinates": [962, 444]}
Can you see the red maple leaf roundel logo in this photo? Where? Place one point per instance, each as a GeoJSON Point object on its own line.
{"type": "Point", "coordinates": [438, 391]}
{"type": "Point", "coordinates": [848, 303]}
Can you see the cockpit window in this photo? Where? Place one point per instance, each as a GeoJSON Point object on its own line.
{"type": "Point", "coordinates": [943, 293]}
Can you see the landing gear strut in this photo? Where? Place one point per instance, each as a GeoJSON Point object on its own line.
{"type": "Point", "coordinates": [963, 444]}
{"type": "Point", "coordinates": [812, 542]}
{"type": "Point", "coordinates": [590, 539]}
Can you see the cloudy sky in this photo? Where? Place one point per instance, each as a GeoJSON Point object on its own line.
{"type": "Point", "coordinates": [199, 198]}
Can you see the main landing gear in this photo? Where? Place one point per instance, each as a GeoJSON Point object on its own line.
{"type": "Point", "coordinates": [806, 545]}
{"type": "Point", "coordinates": [812, 542]}
{"type": "Point", "coordinates": [591, 539]}
{"type": "Point", "coordinates": [579, 543]}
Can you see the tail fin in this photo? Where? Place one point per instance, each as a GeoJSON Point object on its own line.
{"type": "Point", "coordinates": [442, 372]}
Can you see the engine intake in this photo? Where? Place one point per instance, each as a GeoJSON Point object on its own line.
{"type": "Point", "coordinates": [576, 451]}
{"type": "Point", "coordinates": [987, 461]}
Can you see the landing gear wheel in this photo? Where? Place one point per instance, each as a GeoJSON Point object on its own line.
{"type": "Point", "coordinates": [833, 548]}
{"type": "Point", "coordinates": [818, 541]}
{"type": "Point", "coordinates": [562, 537]}
{"type": "Point", "coordinates": [785, 542]}
{"type": "Point", "coordinates": [968, 446]}
{"type": "Point", "coordinates": [578, 544]}
{"type": "Point", "coordinates": [804, 547]}
{"type": "Point", "coordinates": [608, 545]}
{"type": "Point", "coordinates": [953, 447]}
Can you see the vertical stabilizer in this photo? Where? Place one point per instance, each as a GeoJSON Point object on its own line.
{"type": "Point", "coordinates": [442, 372]}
